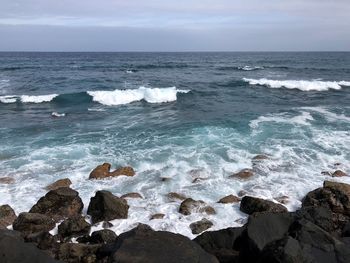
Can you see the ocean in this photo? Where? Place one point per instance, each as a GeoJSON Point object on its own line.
{"type": "Point", "coordinates": [174, 117]}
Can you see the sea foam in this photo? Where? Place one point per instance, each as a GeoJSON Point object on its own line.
{"type": "Point", "coordinates": [304, 85]}
{"type": "Point", "coordinates": [27, 98]}
{"type": "Point", "coordinates": [151, 95]}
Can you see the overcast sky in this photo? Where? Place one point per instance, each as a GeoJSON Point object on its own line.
{"type": "Point", "coordinates": [180, 25]}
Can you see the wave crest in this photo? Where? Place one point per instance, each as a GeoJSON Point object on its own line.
{"type": "Point", "coordinates": [304, 85]}
{"type": "Point", "coordinates": [27, 98]}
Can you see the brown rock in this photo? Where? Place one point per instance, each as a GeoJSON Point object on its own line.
{"type": "Point", "coordinates": [200, 226]}
{"type": "Point", "coordinates": [59, 204]}
{"type": "Point", "coordinates": [282, 199]}
{"type": "Point", "coordinates": [229, 199]}
{"type": "Point", "coordinates": [175, 196]}
{"type": "Point", "coordinates": [260, 157]}
{"type": "Point", "coordinates": [250, 205]}
{"type": "Point", "coordinates": [339, 173]}
{"type": "Point", "coordinates": [103, 171]}
{"type": "Point", "coordinates": [189, 206]}
{"type": "Point", "coordinates": [243, 174]}
{"type": "Point", "coordinates": [74, 253]}
{"type": "Point", "coordinates": [6, 180]}
{"type": "Point", "coordinates": [28, 223]}
{"type": "Point", "coordinates": [157, 216]}
{"type": "Point", "coordinates": [59, 183]}
{"type": "Point", "coordinates": [132, 195]}
{"type": "Point", "coordinates": [73, 227]}
{"type": "Point", "coordinates": [7, 216]}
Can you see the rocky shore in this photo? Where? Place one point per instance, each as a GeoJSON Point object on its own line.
{"type": "Point", "coordinates": [56, 230]}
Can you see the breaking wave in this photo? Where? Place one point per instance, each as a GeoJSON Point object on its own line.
{"type": "Point", "coordinates": [27, 98]}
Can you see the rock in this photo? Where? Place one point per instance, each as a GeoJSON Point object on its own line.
{"type": "Point", "coordinates": [222, 243]}
{"type": "Point", "coordinates": [7, 180]}
{"type": "Point", "coordinates": [243, 174]}
{"type": "Point", "coordinates": [198, 180]}
{"type": "Point", "coordinates": [103, 171]}
{"type": "Point", "coordinates": [242, 193]}
{"type": "Point", "coordinates": [339, 173]}
{"type": "Point", "coordinates": [76, 253]}
{"type": "Point", "coordinates": [104, 236]}
{"type": "Point", "coordinates": [200, 226]}
{"type": "Point", "coordinates": [106, 224]}
{"type": "Point", "coordinates": [157, 216]}
{"type": "Point", "coordinates": [189, 206]}
{"type": "Point", "coordinates": [132, 195]}
{"type": "Point", "coordinates": [28, 223]}
{"type": "Point", "coordinates": [165, 179]}
{"type": "Point", "coordinates": [59, 183]}
{"type": "Point", "coordinates": [59, 204]}
{"type": "Point", "coordinates": [43, 240]}
{"type": "Point", "coordinates": [105, 206]}
{"type": "Point", "coordinates": [327, 173]}
{"type": "Point", "coordinates": [7, 216]}
{"type": "Point", "coordinates": [14, 250]}
{"type": "Point", "coordinates": [73, 227]}
{"type": "Point", "coordinates": [250, 205]}
{"type": "Point", "coordinates": [142, 244]}
{"type": "Point", "coordinates": [260, 157]}
{"type": "Point", "coordinates": [282, 199]}
{"type": "Point", "coordinates": [229, 199]}
{"type": "Point", "coordinates": [175, 196]}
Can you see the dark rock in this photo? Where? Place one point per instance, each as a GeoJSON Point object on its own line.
{"type": "Point", "coordinates": [260, 157]}
{"type": "Point", "coordinates": [73, 227]}
{"type": "Point", "coordinates": [346, 230]}
{"type": "Point", "coordinates": [200, 226]}
{"type": "Point", "coordinates": [243, 174]}
{"type": "Point", "coordinates": [229, 199]}
{"type": "Point", "coordinates": [43, 240]}
{"type": "Point", "coordinates": [189, 206]}
{"type": "Point", "coordinates": [328, 173]}
{"type": "Point", "coordinates": [282, 199]}
{"type": "Point", "coordinates": [242, 193]}
{"type": "Point", "coordinates": [250, 205]}
{"type": "Point", "coordinates": [7, 180]}
{"type": "Point", "coordinates": [28, 223]}
{"type": "Point", "coordinates": [103, 171]}
{"type": "Point", "coordinates": [7, 216]}
{"type": "Point", "coordinates": [157, 216]}
{"type": "Point", "coordinates": [132, 195]}
{"type": "Point", "coordinates": [59, 183]}
{"type": "Point", "coordinates": [14, 250]}
{"type": "Point", "coordinates": [175, 196]}
{"type": "Point", "coordinates": [320, 216]}
{"type": "Point", "coordinates": [106, 224]}
{"type": "Point", "coordinates": [105, 206]}
{"type": "Point", "coordinates": [76, 253]}
{"type": "Point", "coordinates": [104, 236]}
{"type": "Point", "coordinates": [222, 243]}
{"type": "Point", "coordinates": [142, 245]}
{"type": "Point", "coordinates": [59, 204]}
{"type": "Point", "coordinates": [339, 173]}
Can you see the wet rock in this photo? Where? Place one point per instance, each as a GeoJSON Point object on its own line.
{"type": "Point", "coordinates": [242, 193]}
{"type": "Point", "coordinates": [229, 199]}
{"type": "Point", "coordinates": [59, 183]}
{"type": "Point", "coordinates": [243, 174]}
{"type": "Point", "coordinates": [59, 204]}
{"type": "Point", "coordinates": [224, 243]}
{"type": "Point", "coordinates": [14, 250]}
{"type": "Point", "coordinates": [142, 243]}
{"type": "Point", "coordinates": [105, 206]}
{"type": "Point", "coordinates": [339, 173]}
{"type": "Point", "coordinates": [106, 224]}
{"type": "Point", "coordinates": [260, 157]}
{"type": "Point", "coordinates": [104, 236]}
{"type": "Point", "coordinates": [189, 206]}
{"type": "Point", "coordinates": [103, 171]}
{"type": "Point", "coordinates": [7, 216]}
{"type": "Point", "coordinates": [282, 199]}
{"type": "Point", "coordinates": [200, 226]}
{"type": "Point", "coordinates": [7, 180]}
{"type": "Point", "coordinates": [43, 240]}
{"type": "Point", "coordinates": [73, 227]}
{"type": "Point", "coordinates": [28, 223]}
{"type": "Point", "coordinates": [327, 173]}
{"type": "Point", "coordinates": [76, 253]}
{"type": "Point", "coordinates": [250, 205]}
{"type": "Point", "coordinates": [198, 180]}
{"type": "Point", "coordinates": [165, 179]}
{"type": "Point", "coordinates": [132, 195]}
{"type": "Point", "coordinates": [157, 216]}
{"type": "Point", "coordinates": [175, 196]}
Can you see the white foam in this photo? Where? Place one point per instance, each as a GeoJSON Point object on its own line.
{"type": "Point", "coordinates": [27, 98]}
{"type": "Point", "coordinates": [56, 114]}
{"type": "Point", "coordinates": [151, 95]}
{"type": "Point", "coordinates": [250, 68]}
{"type": "Point", "coordinates": [8, 99]}
{"type": "Point", "coordinates": [304, 85]}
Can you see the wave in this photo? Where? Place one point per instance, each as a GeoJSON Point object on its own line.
{"type": "Point", "coordinates": [249, 68]}
{"type": "Point", "coordinates": [27, 98]}
{"type": "Point", "coordinates": [151, 95]}
{"type": "Point", "coordinates": [244, 68]}
{"type": "Point", "coordinates": [303, 85]}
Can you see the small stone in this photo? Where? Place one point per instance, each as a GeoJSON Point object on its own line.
{"type": "Point", "coordinates": [200, 226]}
{"type": "Point", "coordinates": [175, 196]}
{"type": "Point", "coordinates": [132, 195]}
{"type": "Point", "coordinates": [339, 173]}
{"type": "Point", "coordinates": [59, 183]}
{"type": "Point", "coordinates": [7, 180]}
{"type": "Point", "coordinates": [282, 199]}
{"type": "Point", "coordinates": [157, 216]}
{"type": "Point", "coordinates": [165, 179]}
{"type": "Point", "coordinates": [243, 174]}
{"type": "Point", "coordinates": [103, 171]}
{"type": "Point", "coordinates": [189, 206]}
{"type": "Point", "coordinates": [229, 199]}
{"type": "Point", "coordinates": [242, 193]}
{"type": "Point", "coordinates": [107, 224]}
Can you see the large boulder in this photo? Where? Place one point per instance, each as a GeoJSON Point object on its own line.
{"type": "Point", "coordinates": [14, 250]}
{"type": "Point", "coordinates": [7, 216]}
{"type": "Point", "coordinates": [189, 206]}
{"type": "Point", "coordinates": [144, 245]}
{"type": "Point", "coordinates": [28, 223]}
{"type": "Point", "coordinates": [59, 204]}
{"type": "Point", "coordinates": [73, 227]}
{"type": "Point", "coordinates": [59, 183]}
{"type": "Point", "coordinates": [105, 206]}
{"type": "Point", "coordinates": [250, 205]}
{"type": "Point", "coordinates": [76, 253]}
{"type": "Point", "coordinates": [104, 236]}
{"type": "Point", "coordinates": [103, 171]}
{"type": "Point", "coordinates": [200, 226]}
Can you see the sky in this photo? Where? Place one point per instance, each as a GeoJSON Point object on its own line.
{"type": "Point", "coordinates": [181, 25]}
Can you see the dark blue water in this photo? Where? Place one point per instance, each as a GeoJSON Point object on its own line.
{"type": "Point", "coordinates": [195, 115]}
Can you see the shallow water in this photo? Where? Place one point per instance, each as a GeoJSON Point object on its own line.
{"type": "Point", "coordinates": [176, 115]}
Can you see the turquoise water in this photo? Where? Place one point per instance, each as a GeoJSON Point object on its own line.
{"type": "Point", "coordinates": [174, 115]}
